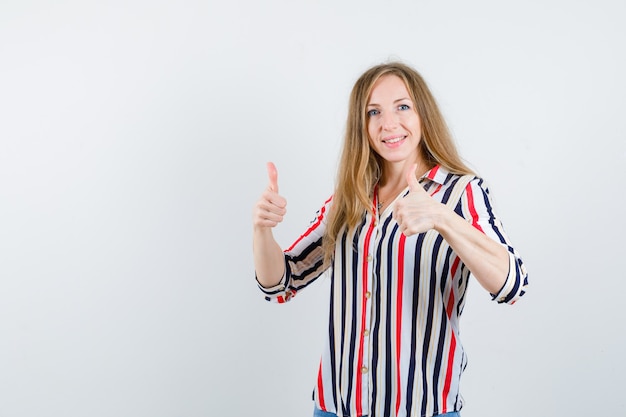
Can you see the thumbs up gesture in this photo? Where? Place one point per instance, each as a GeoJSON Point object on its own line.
{"type": "Point", "coordinates": [271, 207]}
{"type": "Point", "coordinates": [417, 212]}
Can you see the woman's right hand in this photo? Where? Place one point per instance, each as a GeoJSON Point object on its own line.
{"type": "Point", "coordinates": [269, 261]}
{"type": "Point", "coordinates": [270, 209]}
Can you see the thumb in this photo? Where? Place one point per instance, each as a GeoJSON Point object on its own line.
{"type": "Point", "coordinates": [411, 179]}
{"type": "Point", "coordinates": [272, 173]}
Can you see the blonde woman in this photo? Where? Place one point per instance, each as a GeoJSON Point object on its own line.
{"type": "Point", "coordinates": [406, 228]}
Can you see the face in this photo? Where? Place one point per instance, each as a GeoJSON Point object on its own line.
{"type": "Point", "coordinates": [393, 124]}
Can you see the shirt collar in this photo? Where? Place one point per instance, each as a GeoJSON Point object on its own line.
{"type": "Point", "coordinates": [437, 174]}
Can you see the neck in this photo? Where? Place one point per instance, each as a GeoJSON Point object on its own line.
{"type": "Point", "coordinates": [389, 189]}
{"type": "Point", "coordinates": [394, 175]}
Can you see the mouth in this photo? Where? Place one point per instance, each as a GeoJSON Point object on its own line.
{"type": "Point", "coordinates": [394, 139]}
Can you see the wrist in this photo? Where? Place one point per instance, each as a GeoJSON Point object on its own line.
{"type": "Point", "coordinates": [442, 218]}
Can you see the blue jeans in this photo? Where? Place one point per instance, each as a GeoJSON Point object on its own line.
{"type": "Point", "coordinates": [320, 413]}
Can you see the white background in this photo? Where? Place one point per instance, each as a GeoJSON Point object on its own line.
{"type": "Point", "coordinates": [133, 142]}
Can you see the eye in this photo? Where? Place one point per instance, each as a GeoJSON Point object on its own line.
{"type": "Point", "coordinates": [373, 112]}
{"type": "Point", "coordinates": [404, 107]}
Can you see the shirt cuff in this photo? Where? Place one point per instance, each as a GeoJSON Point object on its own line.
{"type": "Point", "coordinates": [280, 287]}
{"type": "Point", "coordinates": [278, 292]}
{"type": "Point", "coordinates": [510, 291]}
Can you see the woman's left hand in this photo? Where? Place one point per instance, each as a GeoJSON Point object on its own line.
{"type": "Point", "coordinates": [417, 212]}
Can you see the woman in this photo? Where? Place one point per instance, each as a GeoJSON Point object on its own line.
{"type": "Point", "coordinates": [406, 227]}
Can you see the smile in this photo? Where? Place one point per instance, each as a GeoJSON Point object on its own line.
{"type": "Point", "coordinates": [394, 140]}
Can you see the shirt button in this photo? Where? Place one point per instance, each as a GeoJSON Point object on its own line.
{"type": "Point", "coordinates": [368, 294]}
{"type": "Point", "coordinates": [369, 258]}
{"type": "Point", "coordinates": [364, 369]}
{"type": "Point", "coordinates": [366, 332]}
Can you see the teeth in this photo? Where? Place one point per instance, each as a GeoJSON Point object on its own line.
{"type": "Point", "coordinates": [394, 140]}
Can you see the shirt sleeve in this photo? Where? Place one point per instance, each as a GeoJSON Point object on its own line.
{"type": "Point", "coordinates": [477, 208]}
{"type": "Point", "coordinates": [304, 261]}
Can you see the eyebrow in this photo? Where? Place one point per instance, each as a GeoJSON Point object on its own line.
{"type": "Point", "coordinates": [395, 101]}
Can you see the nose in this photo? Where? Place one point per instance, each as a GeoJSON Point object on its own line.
{"type": "Point", "coordinates": [389, 120]}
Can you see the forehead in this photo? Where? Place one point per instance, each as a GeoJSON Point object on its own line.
{"type": "Point", "coordinates": [388, 87]}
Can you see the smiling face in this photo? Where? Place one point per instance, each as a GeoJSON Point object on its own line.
{"type": "Point", "coordinates": [393, 124]}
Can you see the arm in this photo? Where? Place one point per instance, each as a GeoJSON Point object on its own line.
{"type": "Point", "coordinates": [477, 210]}
{"type": "Point", "coordinates": [269, 260]}
{"type": "Point", "coordinates": [487, 260]}
{"type": "Point", "coordinates": [482, 244]}
{"type": "Point", "coordinates": [281, 274]}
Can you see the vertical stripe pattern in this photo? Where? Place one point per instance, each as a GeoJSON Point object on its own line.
{"type": "Point", "coordinates": [393, 346]}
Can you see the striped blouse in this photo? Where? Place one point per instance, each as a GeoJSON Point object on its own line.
{"type": "Point", "coordinates": [393, 345]}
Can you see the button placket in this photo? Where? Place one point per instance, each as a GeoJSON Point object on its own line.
{"type": "Point", "coordinates": [366, 333]}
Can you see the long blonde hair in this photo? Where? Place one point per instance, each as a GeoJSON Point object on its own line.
{"type": "Point", "coordinates": [360, 167]}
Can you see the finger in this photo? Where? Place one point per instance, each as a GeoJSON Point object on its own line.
{"type": "Point", "coordinates": [411, 179]}
{"type": "Point", "coordinates": [270, 217]}
{"type": "Point", "coordinates": [272, 202]}
{"type": "Point", "coordinates": [266, 214]}
{"type": "Point", "coordinates": [272, 173]}
{"type": "Point", "coordinates": [267, 221]}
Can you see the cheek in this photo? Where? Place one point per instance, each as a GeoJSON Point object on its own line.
{"type": "Point", "coordinates": [412, 124]}
{"type": "Point", "coordinates": [417, 123]}
{"type": "Point", "coordinates": [371, 129]}
{"type": "Point", "coordinates": [370, 141]}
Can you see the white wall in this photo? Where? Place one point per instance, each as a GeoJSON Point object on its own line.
{"type": "Point", "coordinates": [133, 142]}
